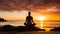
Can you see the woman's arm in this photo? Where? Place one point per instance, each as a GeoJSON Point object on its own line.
{"type": "Point", "coordinates": [32, 21]}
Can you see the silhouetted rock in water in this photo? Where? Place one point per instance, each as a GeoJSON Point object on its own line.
{"type": "Point", "coordinates": [7, 28]}
{"type": "Point", "coordinates": [20, 28]}
{"type": "Point", "coordinates": [55, 29]}
{"type": "Point", "coordinates": [2, 20]}
{"type": "Point", "coordinates": [25, 28]}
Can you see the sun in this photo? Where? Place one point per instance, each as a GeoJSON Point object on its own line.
{"type": "Point", "coordinates": [41, 18]}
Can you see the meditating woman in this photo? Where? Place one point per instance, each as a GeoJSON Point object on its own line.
{"type": "Point", "coordinates": [29, 20]}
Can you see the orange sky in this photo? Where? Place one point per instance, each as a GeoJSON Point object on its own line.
{"type": "Point", "coordinates": [22, 15]}
{"type": "Point", "coordinates": [18, 10]}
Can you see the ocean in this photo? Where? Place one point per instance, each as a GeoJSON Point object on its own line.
{"type": "Point", "coordinates": [38, 23]}
{"type": "Point", "coordinates": [46, 24]}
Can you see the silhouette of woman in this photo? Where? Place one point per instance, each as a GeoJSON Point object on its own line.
{"type": "Point", "coordinates": [29, 20]}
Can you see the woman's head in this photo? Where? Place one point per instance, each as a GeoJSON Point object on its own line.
{"type": "Point", "coordinates": [29, 13]}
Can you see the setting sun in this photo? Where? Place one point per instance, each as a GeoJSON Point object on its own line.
{"type": "Point", "coordinates": [41, 18]}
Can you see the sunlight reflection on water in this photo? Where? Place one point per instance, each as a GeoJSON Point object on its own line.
{"type": "Point", "coordinates": [47, 25]}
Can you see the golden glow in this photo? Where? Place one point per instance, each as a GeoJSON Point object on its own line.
{"type": "Point", "coordinates": [48, 29]}
{"type": "Point", "coordinates": [41, 24]}
{"type": "Point", "coordinates": [41, 18]}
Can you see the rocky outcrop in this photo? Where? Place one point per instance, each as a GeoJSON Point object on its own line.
{"type": "Point", "coordinates": [2, 20]}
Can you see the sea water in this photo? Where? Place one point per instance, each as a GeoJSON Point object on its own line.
{"type": "Point", "coordinates": [46, 24]}
{"type": "Point", "coordinates": [38, 23]}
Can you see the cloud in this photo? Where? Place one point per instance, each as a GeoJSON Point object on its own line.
{"type": "Point", "coordinates": [31, 5]}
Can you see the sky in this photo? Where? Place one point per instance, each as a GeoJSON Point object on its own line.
{"type": "Point", "coordinates": [18, 9]}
